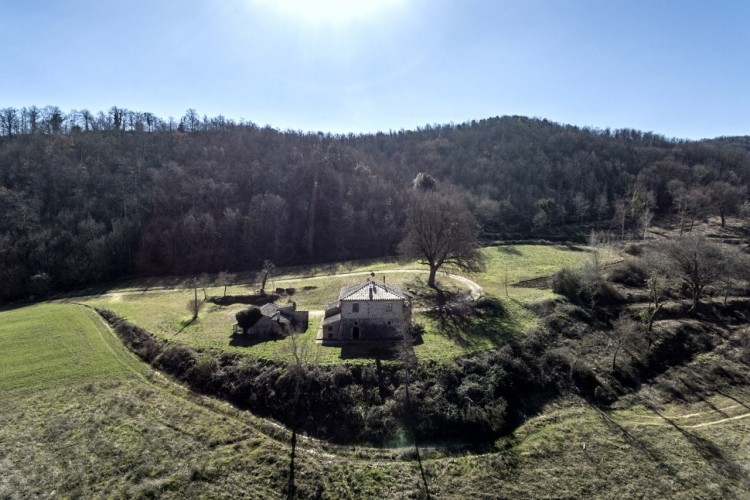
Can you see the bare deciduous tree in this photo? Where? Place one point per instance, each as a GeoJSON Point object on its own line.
{"type": "Point", "coordinates": [624, 330]}
{"type": "Point", "coordinates": [657, 284]}
{"type": "Point", "coordinates": [194, 306]}
{"type": "Point", "coordinates": [265, 272]}
{"type": "Point", "coordinates": [697, 263]}
{"type": "Point", "coordinates": [725, 198]}
{"type": "Point", "coordinates": [226, 278]}
{"type": "Point", "coordinates": [440, 231]}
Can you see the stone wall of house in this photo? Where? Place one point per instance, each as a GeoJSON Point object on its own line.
{"type": "Point", "coordinates": [265, 327]}
{"type": "Point", "coordinates": [370, 320]}
{"type": "Point", "coordinates": [373, 309]}
{"type": "Point", "coordinates": [301, 319]}
{"type": "Point", "coordinates": [330, 328]}
{"type": "Point", "coordinates": [371, 329]}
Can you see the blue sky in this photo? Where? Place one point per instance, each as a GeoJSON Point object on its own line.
{"type": "Point", "coordinates": [681, 69]}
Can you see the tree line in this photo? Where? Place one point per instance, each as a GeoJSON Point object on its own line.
{"type": "Point", "coordinates": [86, 198]}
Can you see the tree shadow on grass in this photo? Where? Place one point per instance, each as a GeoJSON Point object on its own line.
{"type": "Point", "coordinates": [186, 323]}
{"type": "Point", "coordinates": [633, 440]}
{"type": "Point", "coordinates": [509, 250]}
{"type": "Point", "coordinates": [426, 296]}
{"type": "Point", "coordinates": [711, 453]}
{"type": "Point", "coordinates": [732, 398]}
{"type": "Point", "coordinates": [573, 248]}
{"type": "Point", "coordinates": [473, 325]}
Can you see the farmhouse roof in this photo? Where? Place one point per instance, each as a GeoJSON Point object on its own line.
{"type": "Point", "coordinates": [332, 319]}
{"type": "Point", "coordinates": [281, 314]}
{"type": "Point", "coordinates": [370, 290]}
{"type": "Point", "coordinates": [269, 309]}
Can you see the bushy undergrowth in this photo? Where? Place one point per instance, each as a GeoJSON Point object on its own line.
{"type": "Point", "coordinates": [480, 397]}
{"type": "Point", "coordinates": [630, 272]}
{"type": "Point", "coordinates": [584, 287]}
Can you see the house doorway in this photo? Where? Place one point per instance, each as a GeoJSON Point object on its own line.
{"type": "Point", "coordinates": [355, 333]}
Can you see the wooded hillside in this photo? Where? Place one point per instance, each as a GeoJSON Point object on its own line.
{"type": "Point", "coordinates": [89, 198]}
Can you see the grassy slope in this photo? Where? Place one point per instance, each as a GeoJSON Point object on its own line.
{"type": "Point", "coordinates": [54, 345]}
{"type": "Point", "coordinates": [164, 312]}
{"type": "Point", "coordinates": [86, 417]}
{"type": "Point", "coordinates": [108, 425]}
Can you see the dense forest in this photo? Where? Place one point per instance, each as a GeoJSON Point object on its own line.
{"type": "Point", "coordinates": [86, 198]}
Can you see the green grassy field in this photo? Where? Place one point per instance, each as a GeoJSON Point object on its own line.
{"type": "Point", "coordinates": [164, 313]}
{"type": "Point", "coordinates": [80, 416]}
{"type": "Point", "coordinates": [517, 263]}
{"type": "Point", "coordinates": [54, 345]}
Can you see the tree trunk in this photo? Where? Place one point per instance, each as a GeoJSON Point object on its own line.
{"type": "Point", "coordinates": [431, 283]}
{"type": "Point", "coordinates": [431, 279]}
{"type": "Point", "coordinates": [696, 296]}
{"type": "Point", "coordinates": [614, 358]}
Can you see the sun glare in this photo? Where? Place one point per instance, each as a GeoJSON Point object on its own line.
{"type": "Point", "coordinates": [331, 12]}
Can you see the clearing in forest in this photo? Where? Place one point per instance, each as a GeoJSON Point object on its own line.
{"type": "Point", "coordinates": [163, 312]}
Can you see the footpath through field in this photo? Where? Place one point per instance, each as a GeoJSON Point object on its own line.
{"type": "Point", "coordinates": [475, 290]}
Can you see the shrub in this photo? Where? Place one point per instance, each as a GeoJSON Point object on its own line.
{"type": "Point", "coordinates": [135, 337]}
{"type": "Point", "coordinates": [606, 294]}
{"type": "Point", "coordinates": [567, 282]}
{"type": "Point", "coordinates": [632, 272]}
{"type": "Point", "coordinates": [248, 317]}
{"type": "Point", "coordinates": [177, 360]}
{"type": "Point", "coordinates": [633, 249]}
{"type": "Point", "coordinates": [203, 371]}
{"type": "Point", "coordinates": [584, 287]}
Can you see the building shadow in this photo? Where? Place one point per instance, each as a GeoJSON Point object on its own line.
{"type": "Point", "coordinates": [245, 340]}
{"type": "Point", "coordinates": [370, 350]}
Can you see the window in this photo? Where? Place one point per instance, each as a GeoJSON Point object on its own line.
{"type": "Point", "coordinates": [355, 307]}
{"type": "Point", "coordinates": [330, 328]}
{"type": "Point", "coordinates": [389, 307]}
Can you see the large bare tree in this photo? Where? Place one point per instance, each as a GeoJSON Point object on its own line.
{"type": "Point", "coordinates": [725, 198]}
{"type": "Point", "coordinates": [441, 231]}
{"type": "Point", "coordinates": [697, 263]}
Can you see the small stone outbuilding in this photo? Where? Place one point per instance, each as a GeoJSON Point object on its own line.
{"type": "Point", "coordinates": [277, 320]}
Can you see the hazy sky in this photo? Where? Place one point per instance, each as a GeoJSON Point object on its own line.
{"type": "Point", "coordinates": [678, 68]}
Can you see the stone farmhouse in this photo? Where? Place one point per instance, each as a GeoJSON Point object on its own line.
{"type": "Point", "coordinates": [367, 311]}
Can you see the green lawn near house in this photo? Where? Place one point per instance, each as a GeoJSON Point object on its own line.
{"type": "Point", "coordinates": [164, 312]}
